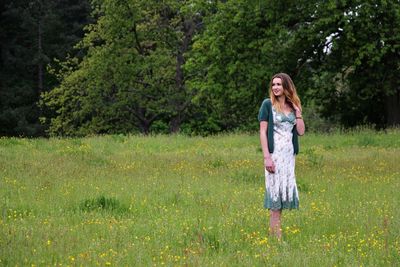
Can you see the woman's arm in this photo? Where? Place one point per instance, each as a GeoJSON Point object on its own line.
{"type": "Point", "coordinates": [268, 163]}
{"type": "Point", "coordinates": [300, 127]}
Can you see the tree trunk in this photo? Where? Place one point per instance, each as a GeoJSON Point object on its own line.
{"type": "Point", "coordinates": [40, 59]}
{"type": "Point", "coordinates": [181, 103]}
{"type": "Point", "coordinates": [175, 123]}
{"type": "Point", "coordinates": [144, 121]}
{"type": "Point", "coordinates": [393, 109]}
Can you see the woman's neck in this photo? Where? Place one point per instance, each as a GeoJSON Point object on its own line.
{"type": "Point", "coordinates": [281, 100]}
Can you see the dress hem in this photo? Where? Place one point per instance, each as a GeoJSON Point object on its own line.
{"type": "Point", "coordinates": [279, 204]}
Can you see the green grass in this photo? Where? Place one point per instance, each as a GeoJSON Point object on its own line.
{"type": "Point", "coordinates": [176, 200]}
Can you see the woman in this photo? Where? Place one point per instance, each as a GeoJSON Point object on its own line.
{"type": "Point", "coordinates": [280, 124]}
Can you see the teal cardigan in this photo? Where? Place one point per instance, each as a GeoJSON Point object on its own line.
{"type": "Point", "coordinates": [265, 114]}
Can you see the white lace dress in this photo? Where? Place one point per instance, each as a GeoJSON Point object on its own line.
{"type": "Point", "coordinates": [281, 189]}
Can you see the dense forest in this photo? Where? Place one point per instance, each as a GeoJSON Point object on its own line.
{"type": "Point", "coordinates": [75, 68]}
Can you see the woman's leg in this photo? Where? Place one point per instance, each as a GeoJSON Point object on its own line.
{"type": "Point", "coordinates": [275, 223]}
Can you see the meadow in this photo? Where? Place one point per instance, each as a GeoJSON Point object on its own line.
{"type": "Point", "coordinates": [196, 201]}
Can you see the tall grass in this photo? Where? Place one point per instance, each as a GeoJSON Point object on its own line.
{"type": "Point", "coordinates": [197, 201]}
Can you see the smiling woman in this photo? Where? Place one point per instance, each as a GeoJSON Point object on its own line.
{"type": "Point", "coordinates": [280, 124]}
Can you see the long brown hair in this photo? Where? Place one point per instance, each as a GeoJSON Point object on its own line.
{"type": "Point", "coordinates": [288, 89]}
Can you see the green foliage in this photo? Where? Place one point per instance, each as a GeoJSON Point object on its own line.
{"type": "Point", "coordinates": [342, 55]}
{"type": "Point", "coordinates": [355, 60]}
{"type": "Point", "coordinates": [228, 65]}
{"type": "Point", "coordinates": [131, 75]}
{"type": "Point", "coordinates": [198, 67]}
{"type": "Point", "coordinates": [32, 34]}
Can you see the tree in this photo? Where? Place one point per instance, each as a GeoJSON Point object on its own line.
{"type": "Point", "coordinates": [32, 34]}
{"type": "Point", "coordinates": [243, 45]}
{"type": "Point", "coordinates": [131, 76]}
{"type": "Point", "coordinates": [342, 55]}
{"type": "Point", "coordinates": [355, 60]}
{"type": "Point", "coordinates": [203, 66]}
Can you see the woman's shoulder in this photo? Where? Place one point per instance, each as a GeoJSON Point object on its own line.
{"type": "Point", "coordinates": [267, 101]}
{"type": "Point", "coordinates": [265, 110]}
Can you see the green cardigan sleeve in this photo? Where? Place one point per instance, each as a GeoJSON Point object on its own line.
{"type": "Point", "coordinates": [265, 114]}
{"type": "Point", "coordinates": [295, 140]}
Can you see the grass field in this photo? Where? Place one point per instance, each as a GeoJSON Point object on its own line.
{"type": "Point", "coordinates": [196, 201]}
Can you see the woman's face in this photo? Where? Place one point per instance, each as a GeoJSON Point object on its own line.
{"type": "Point", "coordinates": [277, 88]}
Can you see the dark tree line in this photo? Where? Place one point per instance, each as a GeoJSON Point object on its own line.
{"type": "Point", "coordinates": [33, 34]}
{"type": "Point", "coordinates": [124, 66]}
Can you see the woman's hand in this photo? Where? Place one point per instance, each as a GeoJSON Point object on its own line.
{"type": "Point", "coordinates": [269, 165]}
{"type": "Point", "coordinates": [297, 110]}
